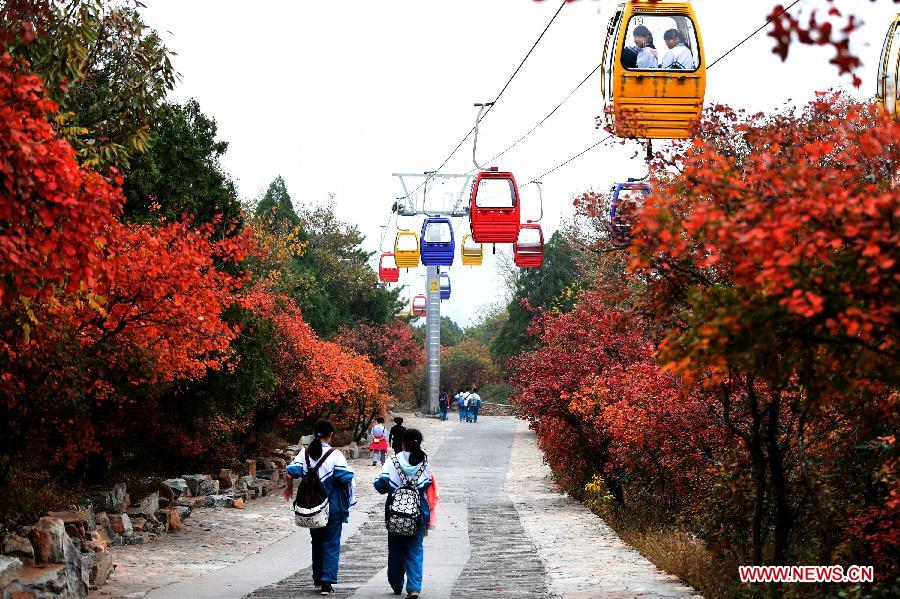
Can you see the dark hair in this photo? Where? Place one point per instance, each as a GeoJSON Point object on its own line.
{"type": "Point", "coordinates": [673, 34]}
{"type": "Point", "coordinates": [642, 31]}
{"type": "Point", "coordinates": [412, 442]}
{"type": "Point", "coordinates": [322, 428]}
{"type": "Point", "coordinates": [398, 420]}
{"type": "Point", "coordinates": [629, 57]}
{"type": "Point", "coordinates": [474, 389]}
{"type": "Point", "coordinates": [379, 420]}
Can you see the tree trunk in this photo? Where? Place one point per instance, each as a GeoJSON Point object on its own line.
{"type": "Point", "coordinates": [783, 516]}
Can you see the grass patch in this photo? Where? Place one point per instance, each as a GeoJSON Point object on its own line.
{"type": "Point", "coordinates": [495, 394]}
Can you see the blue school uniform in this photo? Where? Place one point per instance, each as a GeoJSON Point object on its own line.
{"type": "Point", "coordinates": [405, 554]}
{"type": "Point", "coordinates": [339, 484]}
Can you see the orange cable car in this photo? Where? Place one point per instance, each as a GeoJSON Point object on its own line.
{"type": "Point", "coordinates": [528, 251]}
{"type": "Point", "coordinates": [472, 253]}
{"type": "Point", "coordinates": [653, 76]}
{"type": "Point", "coordinates": [406, 249]}
{"type": "Point", "coordinates": [888, 92]}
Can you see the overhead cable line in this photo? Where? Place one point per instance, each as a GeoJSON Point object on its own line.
{"type": "Point", "coordinates": [711, 65]}
{"type": "Point", "coordinates": [499, 95]}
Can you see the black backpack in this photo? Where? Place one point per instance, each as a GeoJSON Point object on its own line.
{"type": "Point", "coordinates": [311, 502]}
{"type": "Point", "coordinates": [404, 506]}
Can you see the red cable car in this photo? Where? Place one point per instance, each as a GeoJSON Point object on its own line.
{"type": "Point", "coordinates": [495, 209]}
{"type": "Point", "coordinates": [388, 271]}
{"type": "Point", "coordinates": [528, 251]}
{"type": "Point", "coordinates": [418, 305]}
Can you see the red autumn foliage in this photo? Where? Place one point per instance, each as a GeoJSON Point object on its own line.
{"type": "Point", "coordinates": [54, 215]}
{"type": "Point", "coordinates": [392, 347]}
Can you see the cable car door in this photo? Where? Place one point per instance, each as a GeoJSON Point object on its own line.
{"type": "Point", "coordinates": [609, 57]}
{"type": "Point", "coordinates": [889, 69]}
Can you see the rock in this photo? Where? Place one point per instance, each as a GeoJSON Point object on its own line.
{"type": "Point", "coordinates": [138, 523]}
{"type": "Point", "coordinates": [99, 567]}
{"type": "Point", "coordinates": [152, 525]}
{"type": "Point", "coordinates": [227, 478]}
{"type": "Point", "coordinates": [48, 539]}
{"type": "Point", "coordinates": [190, 502]}
{"type": "Point", "coordinates": [19, 547]}
{"type": "Point", "coordinates": [108, 499]}
{"type": "Point", "coordinates": [250, 467]}
{"type": "Point", "coordinates": [193, 482]}
{"type": "Point", "coordinates": [76, 573]}
{"type": "Point", "coordinates": [171, 518]}
{"type": "Point", "coordinates": [135, 539]}
{"type": "Point", "coordinates": [98, 542]}
{"type": "Point", "coordinates": [218, 501]}
{"type": "Point", "coordinates": [208, 487]}
{"type": "Point", "coordinates": [10, 570]}
{"type": "Point", "coordinates": [280, 463]}
{"type": "Point", "coordinates": [306, 439]}
{"type": "Point", "coordinates": [238, 503]}
{"type": "Point", "coordinates": [353, 450]}
{"type": "Point", "coordinates": [166, 494]}
{"type": "Point", "coordinates": [147, 506]}
{"type": "Point", "coordinates": [121, 523]}
{"type": "Point", "coordinates": [44, 583]}
{"type": "Point", "coordinates": [178, 486]}
{"type": "Point", "coordinates": [271, 474]}
{"type": "Point", "coordinates": [183, 512]}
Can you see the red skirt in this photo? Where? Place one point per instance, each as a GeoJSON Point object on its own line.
{"type": "Point", "coordinates": [378, 444]}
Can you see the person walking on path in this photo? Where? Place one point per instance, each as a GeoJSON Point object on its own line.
{"type": "Point", "coordinates": [396, 436]}
{"type": "Point", "coordinates": [475, 404]}
{"type": "Point", "coordinates": [379, 444]}
{"type": "Point", "coordinates": [406, 479]}
{"type": "Point", "coordinates": [460, 405]}
{"type": "Point", "coordinates": [338, 482]}
{"type": "Point", "coordinates": [443, 404]}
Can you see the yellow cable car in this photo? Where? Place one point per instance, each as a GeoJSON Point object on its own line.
{"type": "Point", "coordinates": [889, 70]}
{"type": "Point", "coordinates": [653, 77]}
{"type": "Point", "coordinates": [472, 253]}
{"type": "Point", "coordinates": [406, 249]}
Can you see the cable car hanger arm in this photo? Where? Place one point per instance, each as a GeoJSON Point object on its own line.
{"type": "Point", "coordinates": [481, 108]}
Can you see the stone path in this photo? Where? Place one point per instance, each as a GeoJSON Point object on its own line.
{"type": "Point", "coordinates": [503, 530]}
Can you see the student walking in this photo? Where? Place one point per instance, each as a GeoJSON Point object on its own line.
{"type": "Point", "coordinates": [396, 435]}
{"type": "Point", "coordinates": [337, 480]}
{"type": "Point", "coordinates": [406, 479]}
{"type": "Point", "coordinates": [461, 404]}
{"type": "Point", "coordinates": [379, 444]}
{"type": "Point", "coordinates": [443, 404]}
{"type": "Point", "coordinates": [475, 404]}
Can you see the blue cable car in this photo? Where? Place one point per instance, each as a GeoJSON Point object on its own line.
{"type": "Point", "coordinates": [623, 199]}
{"type": "Point", "coordinates": [445, 286]}
{"type": "Point", "coordinates": [438, 246]}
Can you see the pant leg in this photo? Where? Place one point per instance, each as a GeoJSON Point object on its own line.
{"type": "Point", "coordinates": [462, 413]}
{"type": "Point", "coordinates": [331, 549]}
{"type": "Point", "coordinates": [415, 557]}
{"type": "Point", "coordinates": [475, 415]}
{"type": "Point", "coordinates": [396, 555]}
{"type": "Point", "coordinates": [316, 536]}
{"type": "Point", "coordinates": [383, 456]}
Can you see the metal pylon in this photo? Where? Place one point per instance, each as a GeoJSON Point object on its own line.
{"type": "Point", "coordinates": [433, 339]}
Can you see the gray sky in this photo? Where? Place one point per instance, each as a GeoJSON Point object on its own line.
{"type": "Point", "coordinates": [335, 96]}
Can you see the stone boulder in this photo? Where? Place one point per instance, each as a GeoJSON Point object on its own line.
{"type": "Point", "coordinates": [76, 573]}
{"type": "Point", "coordinates": [10, 570]}
{"type": "Point", "coordinates": [271, 474]}
{"type": "Point", "coordinates": [353, 451]}
{"type": "Point", "coordinates": [48, 540]}
{"type": "Point", "coordinates": [99, 566]}
{"type": "Point", "coordinates": [147, 506]}
{"type": "Point", "coordinates": [193, 482]}
{"type": "Point", "coordinates": [155, 526]}
{"type": "Point", "coordinates": [178, 487]}
{"type": "Point", "coordinates": [280, 463]}
{"type": "Point", "coordinates": [218, 501]}
{"type": "Point", "coordinates": [227, 478]}
{"type": "Point", "coordinates": [250, 467]}
{"type": "Point", "coordinates": [108, 499]}
{"type": "Point", "coordinates": [184, 512]}
{"type": "Point", "coordinates": [121, 523]}
{"type": "Point", "coordinates": [171, 518]}
{"type": "Point", "coordinates": [189, 502]}
{"type": "Point", "coordinates": [19, 547]}
{"type": "Point", "coordinates": [207, 487]}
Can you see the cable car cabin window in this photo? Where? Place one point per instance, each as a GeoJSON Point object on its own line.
{"type": "Point", "coordinates": [407, 243]}
{"type": "Point", "coordinates": [471, 246]}
{"type": "Point", "coordinates": [495, 193]}
{"type": "Point", "coordinates": [388, 261]}
{"type": "Point", "coordinates": [439, 232]}
{"type": "Point", "coordinates": [888, 69]}
{"type": "Point", "coordinates": [661, 43]}
{"type": "Point", "coordinates": [530, 241]}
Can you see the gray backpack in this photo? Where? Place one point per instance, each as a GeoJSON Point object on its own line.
{"type": "Point", "coordinates": [404, 507]}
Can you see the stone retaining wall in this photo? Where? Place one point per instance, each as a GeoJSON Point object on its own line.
{"type": "Point", "coordinates": [497, 409]}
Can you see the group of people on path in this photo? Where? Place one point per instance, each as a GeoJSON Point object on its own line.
{"type": "Point", "coordinates": [405, 478]}
{"type": "Point", "coordinates": [468, 402]}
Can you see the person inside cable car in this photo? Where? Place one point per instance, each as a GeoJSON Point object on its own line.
{"type": "Point", "coordinates": [647, 56]}
{"type": "Point", "coordinates": [629, 57]}
{"type": "Point", "coordinates": [679, 56]}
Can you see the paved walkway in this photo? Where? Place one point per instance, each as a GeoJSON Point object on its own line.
{"type": "Point", "coordinates": [503, 530]}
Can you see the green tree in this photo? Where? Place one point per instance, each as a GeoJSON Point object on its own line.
{"type": "Point", "coordinates": [181, 173]}
{"type": "Point", "coordinates": [554, 286]}
{"type": "Point", "coordinates": [488, 325]}
{"type": "Point", "coordinates": [276, 204]}
{"type": "Point", "coordinates": [465, 364]}
{"type": "Point", "coordinates": [451, 333]}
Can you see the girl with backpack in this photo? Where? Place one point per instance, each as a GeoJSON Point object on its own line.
{"type": "Point", "coordinates": [333, 486]}
{"type": "Point", "coordinates": [406, 479]}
